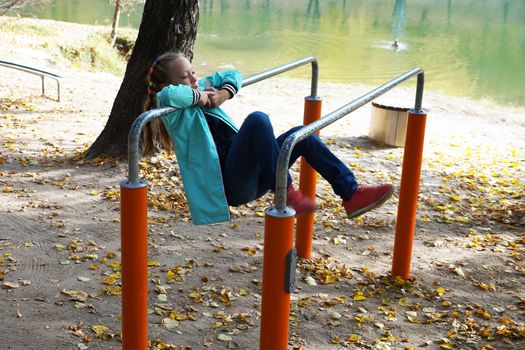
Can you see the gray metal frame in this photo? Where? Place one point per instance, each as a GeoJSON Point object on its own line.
{"type": "Point", "coordinates": [299, 135]}
{"type": "Point", "coordinates": [285, 68]}
{"type": "Point", "coordinates": [146, 117]}
{"type": "Point", "coordinates": [35, 71]}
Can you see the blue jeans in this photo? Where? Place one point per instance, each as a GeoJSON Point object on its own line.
{"type": "Point", "coordinates": [250, 165]}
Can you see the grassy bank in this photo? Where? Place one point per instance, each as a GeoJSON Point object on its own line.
{"type": "Point", "coordinates": [79, 46]}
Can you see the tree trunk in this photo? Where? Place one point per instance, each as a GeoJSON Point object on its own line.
{"type": "Point", "coordinates": [116, 19]}
{"type": "Point", "coordinates": [166, 25]}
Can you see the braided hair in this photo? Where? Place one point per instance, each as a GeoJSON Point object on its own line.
{"type": "Point", "coordinates": [155, 133]}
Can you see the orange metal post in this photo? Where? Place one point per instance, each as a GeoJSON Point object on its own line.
{"type": "Point", "coordinates": [307, 184]}
{"type": "Point", "coordinates": [406, 212]}
{"type": "Point", "coordinates": [275, 308]}
{"type": "Point", "coordinates": [134, 251]}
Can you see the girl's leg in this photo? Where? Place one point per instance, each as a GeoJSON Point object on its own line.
{"type": "Point", "coordinates": [249, 168]}
{"type": "Point", "coordinates": [324, 162]}
{"type": "Point", "coordinates": [357, 200]}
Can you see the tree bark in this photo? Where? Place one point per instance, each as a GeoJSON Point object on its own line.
{"type": "Point", "coordinates": [116, 19]}
{"type": "Point", "coordinates": [166, 25]}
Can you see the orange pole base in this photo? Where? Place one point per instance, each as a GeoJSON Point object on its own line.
{"type": "Point", "coordinates": [410, 176]}
{"type": "Point", "coordinates": [134, 254]}
{"type": "Point", "coordinates": [275, 308]}
{"type": "Point", "coordinates": [307, 185]}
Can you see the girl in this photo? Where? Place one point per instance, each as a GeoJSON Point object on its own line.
{"type": "Point", "coordinates": [224, 165]}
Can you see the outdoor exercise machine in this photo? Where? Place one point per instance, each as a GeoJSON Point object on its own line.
{"type": "Point", "coordinates": [279, 261]}
{"type": "Point", "coordinates": [42, 73]}
{"type": "Point", "coordinates": [133, 219]}
{"type": "Point", "coordinates": [279, 254]}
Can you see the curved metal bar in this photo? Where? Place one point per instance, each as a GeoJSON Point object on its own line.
{"type": "Point", "coordinates": [58, 89]}
{"type": "Point", "coordinates": [315, 79]}
{"type": "Point", "coordinates": [134, 139]}
{"type": "Point", "coordinates": [35, 71]}
{"type": "Point", "coordinates": [285, 68]}
{"type": "Point", "coordinates": [28, 69]}
{"type": "Point", "coordinates": [146, 117]}
{"type": "Point", "coordinates": [419, 91]}
{"type": "Point", "coordinates": [299, 135]}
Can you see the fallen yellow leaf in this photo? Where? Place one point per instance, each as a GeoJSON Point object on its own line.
{"type": "Point", "coordinates": [353, 338]}
{"type": "Point", "coordinates": [336, 340]}
{"type": "Point", "coordinates": [99, 329]}
{"type": "Point", "coordinates": [440, 291]}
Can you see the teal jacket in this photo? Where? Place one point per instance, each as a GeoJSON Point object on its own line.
{"type": "Point", "coordinates": [194, 147]}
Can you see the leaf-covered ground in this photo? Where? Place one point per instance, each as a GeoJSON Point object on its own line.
{"type": "Point", "coordinates": [59, 238]}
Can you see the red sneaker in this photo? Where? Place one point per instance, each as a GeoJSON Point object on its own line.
{"type": "Point", "coordinates": [301, 204]}
{"type": "Point", "coordinates": [366, 198]}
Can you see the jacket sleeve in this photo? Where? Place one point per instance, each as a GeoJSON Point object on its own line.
{"type": "Point", "coordinates": [178, 96]}
{"type": "Point", "coordinates": [230, 80]}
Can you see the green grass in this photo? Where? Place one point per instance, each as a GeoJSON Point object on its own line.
{"type": "Point", "coordinates": [79, 46]}
{"type": "Point", "coordinates": [94, 54]}
{"type": "Point", "coordinates": [22, 26]}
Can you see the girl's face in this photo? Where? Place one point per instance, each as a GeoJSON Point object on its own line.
{"type": "Point", "coordinates": [181, 72]}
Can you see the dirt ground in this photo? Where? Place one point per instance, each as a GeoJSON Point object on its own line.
{"type": "Point", "coordinates": [60, 233]}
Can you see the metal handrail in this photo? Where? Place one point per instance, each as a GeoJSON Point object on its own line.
{"type": "Point", "coordinates": [285, 68]}
{"type": "Point", "coordinates": [301, 134]}
{"type": "Point", "coordinates": [35, 71]}
{"type": "Point", "coordinates": [146, 117]}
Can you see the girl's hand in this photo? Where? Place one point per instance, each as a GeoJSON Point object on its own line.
{"type": "Point", "coordinates": [204, 99]}
{"type": "Point", "coordinates": [217, 97]}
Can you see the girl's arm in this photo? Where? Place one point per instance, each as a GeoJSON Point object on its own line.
{"type": "Point", "coordinates": [230, 81]}
{"type": "Point", "coordinates": [217, 97]}
{"type": "Point", "coordinates": [181, 96]}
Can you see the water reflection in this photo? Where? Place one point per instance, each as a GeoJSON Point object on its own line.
{"type": "Point", "coordinates": [207, 7]}
{"type": "Point", "coordinates": [313, 15]}
{"type": "Point", "coordinates": [398, 21]}
{"type": "Point", "coordinates": [449, 13]}
{"type": "Point", "coordinates": [506, 5]}
{"type": "Point", "coordinates": [344, 17]}
{"type": "Point", "coordinates": [472, 48]}
{"type": "Point", "coordinates": [224, 7]}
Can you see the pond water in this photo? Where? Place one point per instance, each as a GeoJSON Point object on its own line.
{"type": "Point", "coordinates": [473, 48]}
